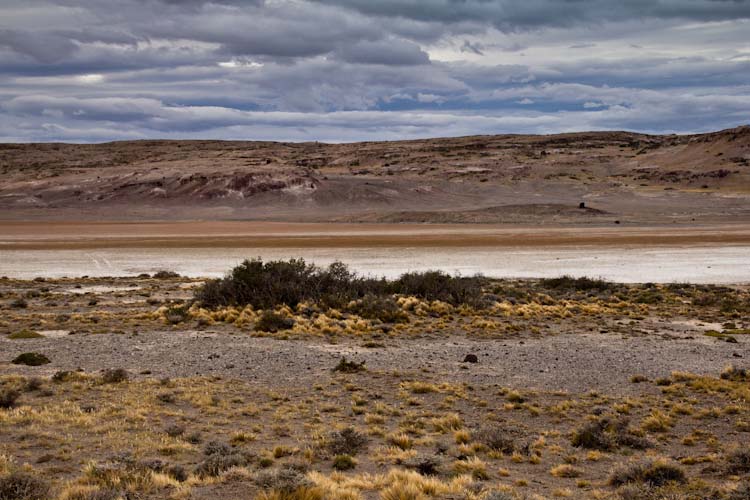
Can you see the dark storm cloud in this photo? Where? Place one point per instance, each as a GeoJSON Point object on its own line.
{"type": "Point", "coordinates": [42, 47]}
{"type": "Point", "coordinates": [514, 15]}
{"type": "Point", "coordinates": [90, 70]}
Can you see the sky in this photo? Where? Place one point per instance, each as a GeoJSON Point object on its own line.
{"type": "Point", "coordinates": [352, 70]}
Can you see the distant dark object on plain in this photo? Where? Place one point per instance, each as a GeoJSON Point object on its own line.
{"type": "Point", "coordinates": [471, 358]}
{"type": "Point", "coordinates": [582, 205]}
{"type": "Point", "coordinates": [617, 222]}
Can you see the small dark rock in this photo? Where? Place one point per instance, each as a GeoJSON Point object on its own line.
{"type": "Point", "coordinates": [471, 358]}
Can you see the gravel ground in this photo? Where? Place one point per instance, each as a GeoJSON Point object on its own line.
{"type": "Point", "coordinates": [574, 362]}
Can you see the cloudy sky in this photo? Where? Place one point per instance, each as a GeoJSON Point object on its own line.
{"type": "Point", "coordinates": [345, 70]}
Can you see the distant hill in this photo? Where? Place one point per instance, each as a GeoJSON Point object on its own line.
{"type": "Point", "coordinates": [501, 178]}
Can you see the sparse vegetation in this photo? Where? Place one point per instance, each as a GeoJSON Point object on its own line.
{"type": "Point", "coordinates": [269, 284]}
{"type": "Point", "coordinates": [19, 303]}
{"type": "Point", "coordinates": [31, 359]}
{"type": "Point", "coordinates": [346, 366]}
{"type": "Point", "coordinates": [735, 374]}
{"type": "Point", "coordinates": [344, 462]}
{"type": "Point", "coordinates": [654, 472]}
{"type": "Point", "coordinates": [431, 426]}
{"type": "Point", "coordinates": [273, 322]}
{"type": "Point", "coordinates": [25, 334]}
{"type": "Point", "coordinates": [383, 309]}
{"type": "Point", "coordinates": [605, 434]}
{"type": "Point", "coordinates": [347, 441]}
{"type": "Point", "coordinates": [8, 397]}
{"type": "Point", "coordinates": [176, 314]}
{"type": "Point", "coordinates": [115, 376]}
{"type": "Point", "coordinates": [583, 284]}
{"type": "Point", "coordinates": [737, 461]}
{"type": "Point", "coordinates": [437, 285]}
{"type": "Point", "coordinates": [164, 275]}
{"type": "Point", "coordinates": [23, 486]}
{"type": "Point", "coordinates": [497, 439]}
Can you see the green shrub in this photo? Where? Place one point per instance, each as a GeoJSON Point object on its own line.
{"type": "Point", "coordinates": [384, 309]}
{"type": "Point", "coordinates": [651, 472]}
{"type": "Point", "coordinates": [605, 434]}
{"type": "Point", "coordinates": [96, 493]}
{"type": "Point", "coordinates": [735, 374]}
{"type": "Point", "coordinates": [8, 397]}
{"type": "Point", "coordinates": [19, 303]}
{"type": "Point", "coordinates": [345, 366]}
{"type": "Point", "coordinates": [25, 334]}
{"type": "Point", "coordinates": [269, 321]}
{"type": "Point", "coordinates": [737, 461]}
{"type": "Point", "coordinates": [583, 284]}
{"type": "Point", "coordinates": [347, 441]}
{"type": "Point", "coordinates": [214, 465]}
{"type": "Point", "coordinates": [23, 486]}
{"type": "Point", "coordinates": [496, 438]}
{"type": "Point", "coordinates": [436, 285]}
{"type": "Point", "coordinates": [344, 462]}
{"type": "Point", "coordinates": [742, 492]}
{"type": "Point", "coordinates": [33, 384]}
{"type": "Point", "coordinates": [114, 376]}
{"type": "Point", "coordinates": [31, 359]}
{"type": "Point", "coordinates": [500, 495]}
{"type": "Point", "coordinates": [176, 314]}
{"type": "Point", "coordinates": [63, 376]}
{"type": "Point", "coordinates": [163, 275]}
{"type": "Point", "coordinates": [285, 480]}
{"type": "Point", "coordinates": [593, 436]}
{"type": "Point", "coordinates": [267, 285]}
{"type": "Point", "coordinates": [219, 457]}
{"type": "Point", "coordinates": [649, 297]}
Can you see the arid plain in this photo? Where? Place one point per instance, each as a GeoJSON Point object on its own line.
{"type": "Point", "coordinates": [155, 385]}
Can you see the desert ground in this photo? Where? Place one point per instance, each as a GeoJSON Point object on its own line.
{"type": "Point", "coordinates": [547, 389]}
{"type": "Point", "coordinates": [163, 385]}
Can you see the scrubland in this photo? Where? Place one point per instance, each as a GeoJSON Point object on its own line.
{"type": "Point", "coordinates": [266, 385]}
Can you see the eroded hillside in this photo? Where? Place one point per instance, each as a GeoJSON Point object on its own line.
{"type": "Point", "coordinates": [504, 178]}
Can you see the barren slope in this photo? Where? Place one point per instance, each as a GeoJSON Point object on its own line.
{"type": "Point", "coordinates": [620, 176]}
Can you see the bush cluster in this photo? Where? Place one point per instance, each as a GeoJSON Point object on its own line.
{"type": "Point", "coordinates": [31, 359]}
{"type": "Point", "coordinates": [219, 457]}
{"type": "Point", "coordinates": [607, 434]}
{"type": "Point", "coordinates": [23, 486]}
{"type": "Point", "coordinates": [265, 285]}
{"type": "Point", "coordinates": [437, 285]}
{"type": "Point", "coordinates": [383, 309]}
{"type": "Point", "coordinates": [346, 366]}
{"type": "Point", "coordinates": [583, 284]}
{"type": "Point", "coordinates": [347, 441]}
{"type": "Point", "coordinates": [272, 322]}
{"type": "Point", "coordinates": [654, 472]}
{"type": "Point", "coordinates": [496, 439]}
{"type": "Point", "coordinates": [8, 397]}
{"type": "Point", "coordinates": [114, 375]}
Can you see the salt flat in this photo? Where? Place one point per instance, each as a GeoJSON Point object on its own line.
{"type": "Point", "coordinates": [630, 264]}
